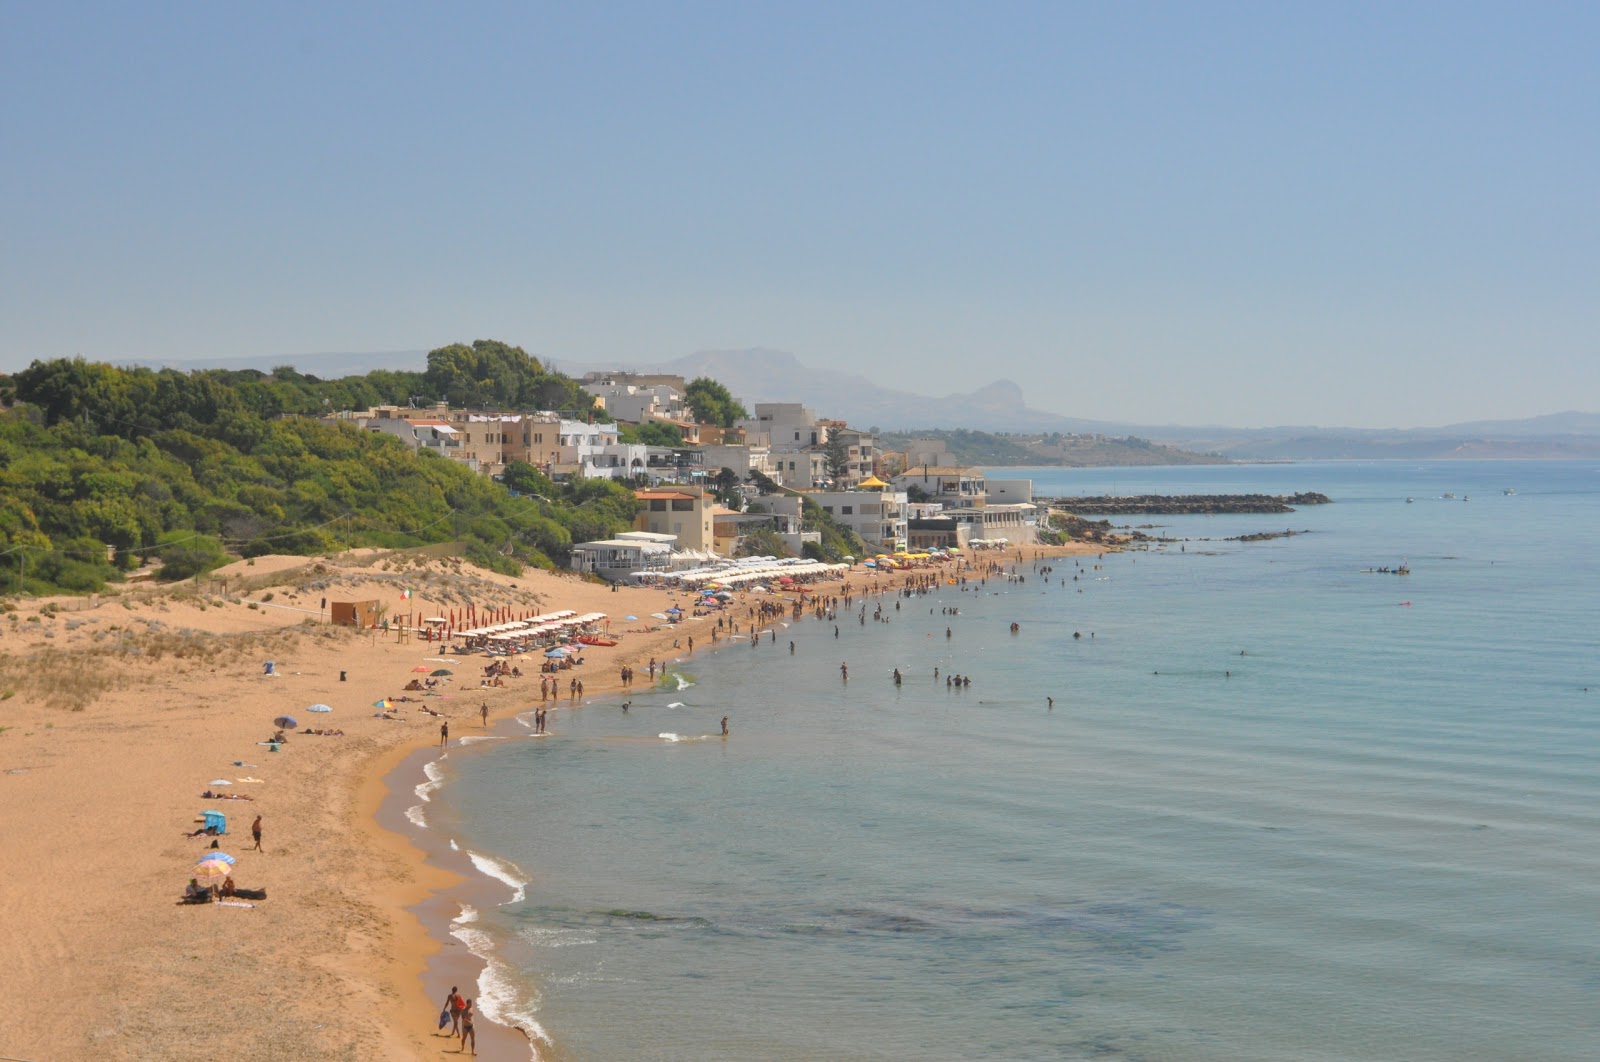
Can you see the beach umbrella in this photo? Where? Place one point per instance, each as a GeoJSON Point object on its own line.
{"type": "Point", "coordinates": [630, 617]}
{"type": "Point", "coordinates": [557, 652]}
{"type": "Point", "coordinates": [285, 722]}
{"type": "Point", "coordinates": [442, 671]}
{"type": "Point", "coordinates": [381, 704]}
{"type": "Point", "coordinates": [319, 708]}
{"type": "Point", "coordinates": [658, 615]}
{"type": "Point", "coordinates": [213, 868]}
{"type": "Point", "coordinates": [421, 668]}
{"type": "Point", "coordinates": [674, 611]}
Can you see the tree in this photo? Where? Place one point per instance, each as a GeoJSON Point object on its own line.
{"type": "Point", "coordinates": [727, 483]}
{"type": "Point", "coordinates": [712, 403]}
{"type": "Point", "coordinates": [653, 433]}
{"type": "Point", "coordinates": [837, 457]}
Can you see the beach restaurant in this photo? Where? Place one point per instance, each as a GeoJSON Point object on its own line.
{"type": "Point", "coordinates": [745, 571]}
{"type": "Point", "coordinates": [525, 635]}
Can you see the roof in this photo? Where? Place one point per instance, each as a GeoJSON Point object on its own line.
{"type": "Point", "coordinates": [436, 425]}
{"type": "Point", "coordinates": [649, 495]}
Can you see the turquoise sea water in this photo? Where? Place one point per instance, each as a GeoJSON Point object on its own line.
{"type": "Point", "coordinates": [1281, 809]}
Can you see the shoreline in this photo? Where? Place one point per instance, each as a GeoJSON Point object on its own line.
{"type": "Point", "coordinates": [436, 916]}
{"type": "Point", "coordinates": [116, 711]}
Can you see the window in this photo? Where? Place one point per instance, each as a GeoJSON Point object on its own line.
{"type": "Point", "coordinates": [658, 505]}
{"type": "Point", "coordinates": [828, 509]}
{"type": "Point", "coordinates": [847, 510]}
{"type": "Point", "coordinates": [683, 505]}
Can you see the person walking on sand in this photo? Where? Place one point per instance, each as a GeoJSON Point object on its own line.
{"type": "Point", "coordinates": [449, 1007]}
{"type": "Point", "coordinates": [255, 831]}
{"type": "Point", "coordinates": [483, 712]}
{"type": "Point", "coordinates": [456, 1006]}
{"type": "Point", "coordinates": [444, 733]}
{"type": "Point", "coordinates": [466, 1029]}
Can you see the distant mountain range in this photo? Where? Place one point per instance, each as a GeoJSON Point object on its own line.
{"type": "Point", "coordinates": [760, 375]}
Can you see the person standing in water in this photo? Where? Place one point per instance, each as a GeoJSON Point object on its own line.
{"type": "Point", "coordinates": [724, 726]}
{"type": "Point", "coordinates": [844, 672]}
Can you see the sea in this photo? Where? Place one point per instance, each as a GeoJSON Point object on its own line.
{"type": "Point", "coordinates": [1283, 806]}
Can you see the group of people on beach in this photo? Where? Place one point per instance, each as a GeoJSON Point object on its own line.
{"type": "Point", "coordinates": [458, 1014]}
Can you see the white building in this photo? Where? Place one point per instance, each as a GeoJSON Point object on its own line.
{"type": "Point", "coordinates": [878, 516]}
{"type": "Point", "coordinates": [637, 403]}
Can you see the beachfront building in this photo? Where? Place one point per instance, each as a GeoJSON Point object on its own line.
{"type": "Point", "coordinates": [997, 523]}
{"type": "Point", "coordinates": [615, 559]}
{"type": "Point", "coordinates": [877, 514]}
{"type": "Point", "coordinates": [683, 512]}
{"type": "Point", "coordinates": [1008, 491]}
{"type": "Point", "coordinates": [953, 486]}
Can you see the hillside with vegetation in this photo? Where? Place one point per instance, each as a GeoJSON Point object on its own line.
{"type": "Point", "coordinates": [105, 469]}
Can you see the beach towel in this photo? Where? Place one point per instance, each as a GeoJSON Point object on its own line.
{"type": "Point", "coordinates": [444, 1017]}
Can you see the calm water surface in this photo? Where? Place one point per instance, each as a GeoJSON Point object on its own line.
{"type": "Point", "coordinates": [1281, 809]}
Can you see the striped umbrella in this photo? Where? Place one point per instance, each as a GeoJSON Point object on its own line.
{"type": "Point", "coordinates": [213, 868]}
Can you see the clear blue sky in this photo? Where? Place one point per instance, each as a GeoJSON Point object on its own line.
{"type": "Point", "coordinates": [1250, 214]}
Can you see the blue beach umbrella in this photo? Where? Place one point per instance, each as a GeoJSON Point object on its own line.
{"type": "Point", "coordinates": [285, 722]}
{"type": "Point", "coordinates": [630, 618]}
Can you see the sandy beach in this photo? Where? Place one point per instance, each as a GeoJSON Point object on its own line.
{"type": "Point", "coordinates": [118, 712]}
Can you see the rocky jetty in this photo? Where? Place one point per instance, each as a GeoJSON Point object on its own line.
{"type": "Point", "coordinates": [1181, 504]}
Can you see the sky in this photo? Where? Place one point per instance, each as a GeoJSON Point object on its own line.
{"type": "Point", "coordinates": [1346, 214]}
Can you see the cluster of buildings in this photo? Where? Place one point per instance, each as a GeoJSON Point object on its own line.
{"type": "Point", "coordinates": [893, 500]}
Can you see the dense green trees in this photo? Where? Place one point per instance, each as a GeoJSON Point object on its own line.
{"type": "Point", "coordinates": [192, 467]}
{"type": "Point", "coordinates": [712, 403]}
{"type": "Point", "coordinates": [653, 433]}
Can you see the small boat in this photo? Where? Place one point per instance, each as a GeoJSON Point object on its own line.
{"type": "Point", "coordinates": [1404, 569]}
{"type": "Point", "coordinates": [1448, 494]}
{"type": "Point", "coordinates": [1509, 491]}
{"type": "Point", "coordinates": [1410, 500]}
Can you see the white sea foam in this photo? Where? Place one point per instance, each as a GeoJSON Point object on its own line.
{"type": "Point", "coordinates": [526, 719]}
{"type": "Point", "coordinates": [435, 775]}
{"type": "Point", "coordinates": [670, 737]}
{"type": "Point", "coordinates": [415, 817]}
{"type": "Point", "coordinates": [683, 683]}
{"type": "Point", "coordinates": [468, 914]}
{"type": "Point", "coordinates": [481, 737]}
{"type": "Point", "coordinates": [675, 704]}
{"type": "Point", "coordinates": [453, 846]}
{"type": "Point", "coordinates": [499, 998]}
{"type": "Point", "coordinates": [501, 870]}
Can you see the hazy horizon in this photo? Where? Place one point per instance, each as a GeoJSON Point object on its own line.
{"type": "Point", "coordinates": [1351, 215]}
